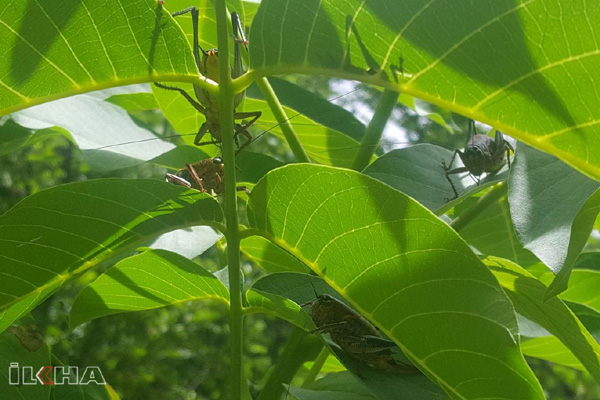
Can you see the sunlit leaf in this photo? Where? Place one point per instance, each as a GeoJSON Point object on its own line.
{"type": "Point", "coordinates": [269, 256]}
{"type": "Point", "coordinates": [492, 232]}
{"type": "Point", "coordinates": [52, 50]}
{"type": "Point", "coordinates": [553, 208]}
{"type": "Point", "coordinates": [552, 349]}
{"type": "Point", "coordinates": [152, 279]}
{"type": "Point", "coordinates": [457, 56]}
{"type": "Point", "coordinates": [106, 133]}
{"type": "Point", "coordinates": [57, 233]}
{"type": "Point", "coordinates": [383, 251]}
{"type": "Point", "coordinates": [527, 295]}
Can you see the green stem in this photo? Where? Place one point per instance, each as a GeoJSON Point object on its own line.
{"type": "Point", "coordinates": [301, 347]}
{"type": "Point", "coordinates": [316, 368]}
{"type": "Point", "coordinates": [226, 98]}
{"type": "Point", "coordinates": [283, 120]}
{"type": "Point", "coordinates": [484, 202]}
{"type": "Point", "coordinates": [384, 109]}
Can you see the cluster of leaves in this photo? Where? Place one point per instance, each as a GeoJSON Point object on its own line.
{"type": "Point", "coordinates": [374, 234]}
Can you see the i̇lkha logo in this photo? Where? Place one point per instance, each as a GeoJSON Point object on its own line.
{"type": "Point", "coordinates": [54, 375]}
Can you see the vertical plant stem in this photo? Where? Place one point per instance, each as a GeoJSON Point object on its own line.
{"type": "Point", "coordinates": [300, 347]}
{"type": "Point", "coordinates": [316, 368]}
{"type": "Point", "coordinates": [226, 98]}
{"type": "Point", "coordinates": [384, 109]}
{"type": "Point", "coordinates": [484, 202]}
{"type": "Point", "coordinates": [282, 119]}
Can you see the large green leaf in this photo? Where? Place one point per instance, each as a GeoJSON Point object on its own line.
{"type": "Point", "coordinates": [404, 270]}
{"type": "Point", "coordinates": [57, 233]}
{"type": "Point", "coordinates": [527, 294]}
{"type": "Point", "coordinates": [55, 49]}
{"type": "Point", "coordinates": [152, 279]}
{"type": "Point", "coordinates": [553, 208]}
{"type": "Point", "coordinates": [494, 62]}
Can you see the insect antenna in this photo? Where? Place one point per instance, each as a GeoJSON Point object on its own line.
{"type": "Point", "coordinates": [144, 140]}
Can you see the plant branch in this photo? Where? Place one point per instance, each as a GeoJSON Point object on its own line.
{"type": "Point", "coordinates": [384, 109]}
{"type": "Point", "coordinates": [226, 99]}
{"type": "Point", "coordinates": [316, 368]}
{"type": "Point", "coordinates": [283, 120]}
{"type": "Point", "coordinates": [495, 193]}
{"type": "Point", "coordinates": [301, 347]}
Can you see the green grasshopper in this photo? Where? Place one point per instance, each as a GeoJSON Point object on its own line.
{"type": "Point", "coordinates": [206, 103]}
{"type": "Point", "coordinates": [206, 176]}
{"type": "Point", "coordinates": [353, 333]}
{"type": "Point", "coordinates": [481, 154]}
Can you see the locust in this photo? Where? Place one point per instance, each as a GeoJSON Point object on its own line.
{"type": "Point", "coordinates": [481, 154]}
{"type": "Point", "coordinates": [206, 103]}
{"type": "Point", "coordinates": [353, 333]}
{"type": "Point", "coordinates": [205, 175]}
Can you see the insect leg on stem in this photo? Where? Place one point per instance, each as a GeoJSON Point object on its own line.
{"type": "Point", "coordinates": [205, 103]}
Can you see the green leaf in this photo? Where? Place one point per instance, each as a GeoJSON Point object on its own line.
{"type": "Point", "coordinates": [417, 171]}
{"type": "Point", "coordinates": [456, 56]}
{"type": "Point", "coordinates": [492, 232]}
{"type": "Point", "coordinates": [527, 295]}
{"type": "Point", "coordinates": [268, 256]}
{"type": "Point", "coordinates": [57, 49]}
{"type": "Point", "coordinates": [342, 386]}
{"type": "Point", "coordinates": [177, 158]}
{"type": "Point", "coordinates": [282, 293]}
{"type": "Point", "coordinates": [57, 233]}
{"type": "Point", "coordinates": [323, 145]}
{"type": "Point", "coordinates": [322, 111]}
{"type": "Point", "coordinates": [381, 251]}
{"type": "Point", "coordinates": [133, 102]}
{"type": "Point", "coordinates": [553, 209]}
{"type": "Point", "coordinates": [152, 279]}
{"type": "Point", "coordinates": [13, 351]}
{"type": "Point", "coordinates": [253, 166]}
{"type": "Point", "coordinates": [188, 242]}
{"type": "Point", "coordinates": [107, 146]}
{"type": "Point", "coordinates": [550, 348]}
{"type": "Point", "coordinates": [14, 136]}
{"type": "Point", "coordinates": [588, 260]}
{"type": "Point", "coordinates": [583, 288]}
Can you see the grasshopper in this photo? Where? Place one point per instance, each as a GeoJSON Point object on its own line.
{"type": "Point", "coordinates": [206, 103]}
{"type": "Point", "coordinates": [481, 154]}
{"type": "Point", "coordinates": [353, 333]}
{"type": "Point", "coordinates": [205, 175]}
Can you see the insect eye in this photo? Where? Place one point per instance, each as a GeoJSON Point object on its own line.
{"type": "Point", "coordinates": [217, 160]}
{"type": "Point", "coordinates": [470, 151]}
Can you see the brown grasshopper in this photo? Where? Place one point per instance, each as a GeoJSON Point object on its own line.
{"type": "Point", "coordinates": [481, 154]}
{"type": "Point", "coordinates": [205, 175]}
{"type": "Point", "coordinates": [353, 333]}
{"type": "Point", "coordinates": [207, 104]}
